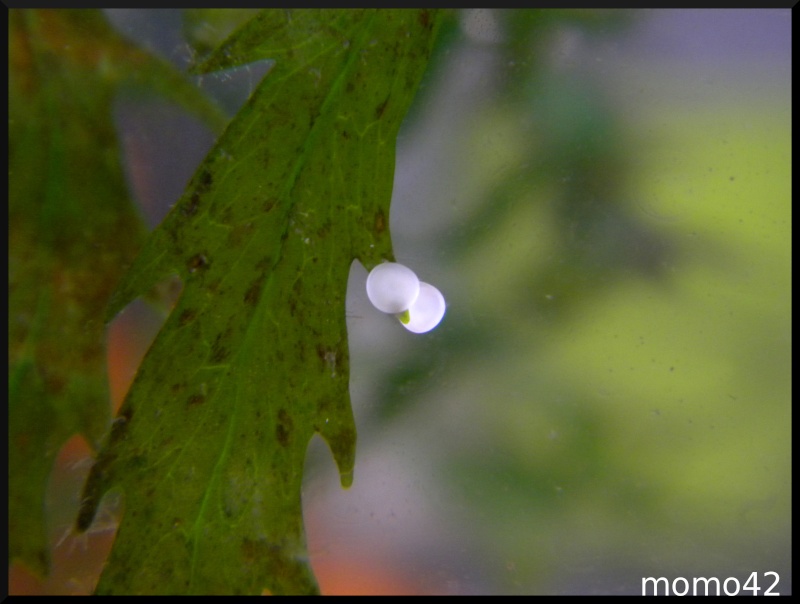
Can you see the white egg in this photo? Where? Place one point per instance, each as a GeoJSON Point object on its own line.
{"type": "Point", "coordinates": [392, 287]}
{"type": "Point", "coordinates": [427, 310]}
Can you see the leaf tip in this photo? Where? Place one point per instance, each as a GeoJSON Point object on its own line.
{"type": "Point", "coordinates": [346, 479]}
{"type": "Point", "coordinates": [342, 442]}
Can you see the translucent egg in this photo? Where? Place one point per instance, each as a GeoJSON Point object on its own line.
{"type": "Point", "coordinates": [427, 310]}
{"type": "Point", "coordinates": [392, 287]}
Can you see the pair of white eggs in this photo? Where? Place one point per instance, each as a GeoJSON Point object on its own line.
{"type": "Point", "coordinates": [395, 289]}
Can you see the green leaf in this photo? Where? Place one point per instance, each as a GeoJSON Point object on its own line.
{"type": "Point", "coordinates": [73, 230]}
{"type": "Point", "coordinates": [205, 28]}
{"type": "Point", "coordinates": [253, 361]}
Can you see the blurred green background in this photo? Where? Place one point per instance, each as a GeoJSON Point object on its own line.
{"type": "Point", "coordinates": [603, 197]}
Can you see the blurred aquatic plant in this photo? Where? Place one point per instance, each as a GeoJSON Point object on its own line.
{"type": "Point", "coordinates": [599, 350]}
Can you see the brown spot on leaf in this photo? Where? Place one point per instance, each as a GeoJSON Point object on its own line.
{"type": "Point", "coordinates": [218, 351]}
{"type": "Point", "coordinates": [219, 354]}
{"type": "Point", "coordinates": [425, 18]}
{"type": "Point", "coordinates": [380, 222]}
{"type": "Point", "coordinates": [380, 109]}
{"type": "Point", "coordinates": [283, 431]}
{"type": "Point", "coordinates": [324, 230]}
{"type": "Point", "coordinates": [204, 182]}
{"type": "Point", "coordinates": [196, 399]}
{"type": "Point", "coordinates": [197, 262]}
{"type": "Point", "coordinates": [189, 208]}
{"type": "Point", "coordinates": [256, 551]}
{"type": "Point", "coordinates": [187, 316]}
{"type": "Point", "coordinates": [253, 293]}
